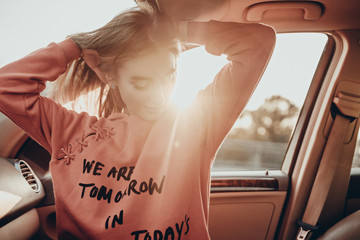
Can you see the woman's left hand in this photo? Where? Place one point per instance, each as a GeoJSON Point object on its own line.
{"type": "Point", "coordinates": [200, 10]}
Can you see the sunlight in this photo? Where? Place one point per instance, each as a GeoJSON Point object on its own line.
{"type": "Point", "coordinates": [244, 122]}
{"type": "Point", "coordinates": [196, 69]}
{"type": "Point", "coordinates": [85, 103]}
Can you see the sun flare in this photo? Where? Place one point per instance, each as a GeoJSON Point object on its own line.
{"type": "Point", "coordinates": [196, 69]}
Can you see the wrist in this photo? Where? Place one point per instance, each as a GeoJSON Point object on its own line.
{"type": "Point", "coordinates": [70, 49]}
{"type": "Point", "coordinates": [182, 31]}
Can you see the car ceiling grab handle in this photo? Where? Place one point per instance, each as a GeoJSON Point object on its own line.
{"type": "Point", "coordinates": [312, 10]}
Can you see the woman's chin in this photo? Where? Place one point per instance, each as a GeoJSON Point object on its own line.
{"type": "Point", "coordinates": [150, 116]}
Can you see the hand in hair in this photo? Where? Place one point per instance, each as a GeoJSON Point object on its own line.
{"type": "Point", "coordinates": [92, 59]}
{"type": "Point", "coordinates": [185, 10]}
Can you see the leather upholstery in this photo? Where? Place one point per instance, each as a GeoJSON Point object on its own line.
{"type": "Point", "coordinates": [346, 229]}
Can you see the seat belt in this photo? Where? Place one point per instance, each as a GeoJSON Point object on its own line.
{"type": "Point", "coordinates": [347, 102]}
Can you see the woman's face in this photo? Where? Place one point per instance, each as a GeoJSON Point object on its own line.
{"type": "Point", "coordinates": [146, 83]}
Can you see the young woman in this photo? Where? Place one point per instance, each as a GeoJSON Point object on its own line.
{"type": "Point", "coordinates": [142, 169]}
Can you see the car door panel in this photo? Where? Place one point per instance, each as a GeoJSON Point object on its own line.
{"type": "Point", "coordinates": [246, 206]}
{"type": "Point", "coordinates": [245, 215]}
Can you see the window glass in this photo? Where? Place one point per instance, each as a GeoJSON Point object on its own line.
{"type": "Point", "coordinates": [259, 138]}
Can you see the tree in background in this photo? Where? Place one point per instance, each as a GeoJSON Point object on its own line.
{"type": "Point", "coordinates": [273, 121]}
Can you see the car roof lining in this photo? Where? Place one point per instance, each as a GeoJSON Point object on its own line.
{"type": "Point", "coordinates": [286, 16]}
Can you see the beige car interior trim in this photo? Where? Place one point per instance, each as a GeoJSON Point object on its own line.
{"type": "Point", "coordinates": [347, 101]}
{"type": "Point", "coordinates": [22, 228]}
{"type": "Point", "coordinates": [311, 10]}
{"type": "Point", "coordinates": [12, 137]}
{"type": "Point", "coordinates": [334, 208]}
{"type": "Point", "coordinates": [245, 215]}
{"type": "Point", "coordinates": [286, 19]}
{"type": "Point", "coordinates": [308, 106]}
{"type": "Point", "coordinates": [310, 151]}
{"type": "Point", "coordinates": [301, 174]}
{"type": "Point", "coordinates": [16, 192]}
{"type": "Point", "coordinates": [314, 140]}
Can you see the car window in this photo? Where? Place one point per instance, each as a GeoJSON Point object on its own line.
{"type": "Point", "coordinates": [259, 138]}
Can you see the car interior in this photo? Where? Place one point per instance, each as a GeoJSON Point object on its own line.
{"type": "Point", "coordinates": [312, 193]}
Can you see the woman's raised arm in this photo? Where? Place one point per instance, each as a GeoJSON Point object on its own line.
{"type": "Point", "coordinates": [248, 48]}
{"type": "Point", "coordinates": [21, 83]}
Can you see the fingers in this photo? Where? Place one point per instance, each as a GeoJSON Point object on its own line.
{"type": "Point", "coordinates": [92, 59]}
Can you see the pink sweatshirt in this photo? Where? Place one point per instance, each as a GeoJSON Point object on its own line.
{"type": "Point", "coordinates": [122, 177]}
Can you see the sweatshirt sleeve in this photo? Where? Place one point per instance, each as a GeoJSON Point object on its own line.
{"type": "Point", "coordinates": [248, 48]}
{"type": "Point", "coordinates": [20, 85]}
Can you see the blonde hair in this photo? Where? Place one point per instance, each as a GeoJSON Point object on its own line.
{"type": "Point", "coordinates": [129, 34]}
